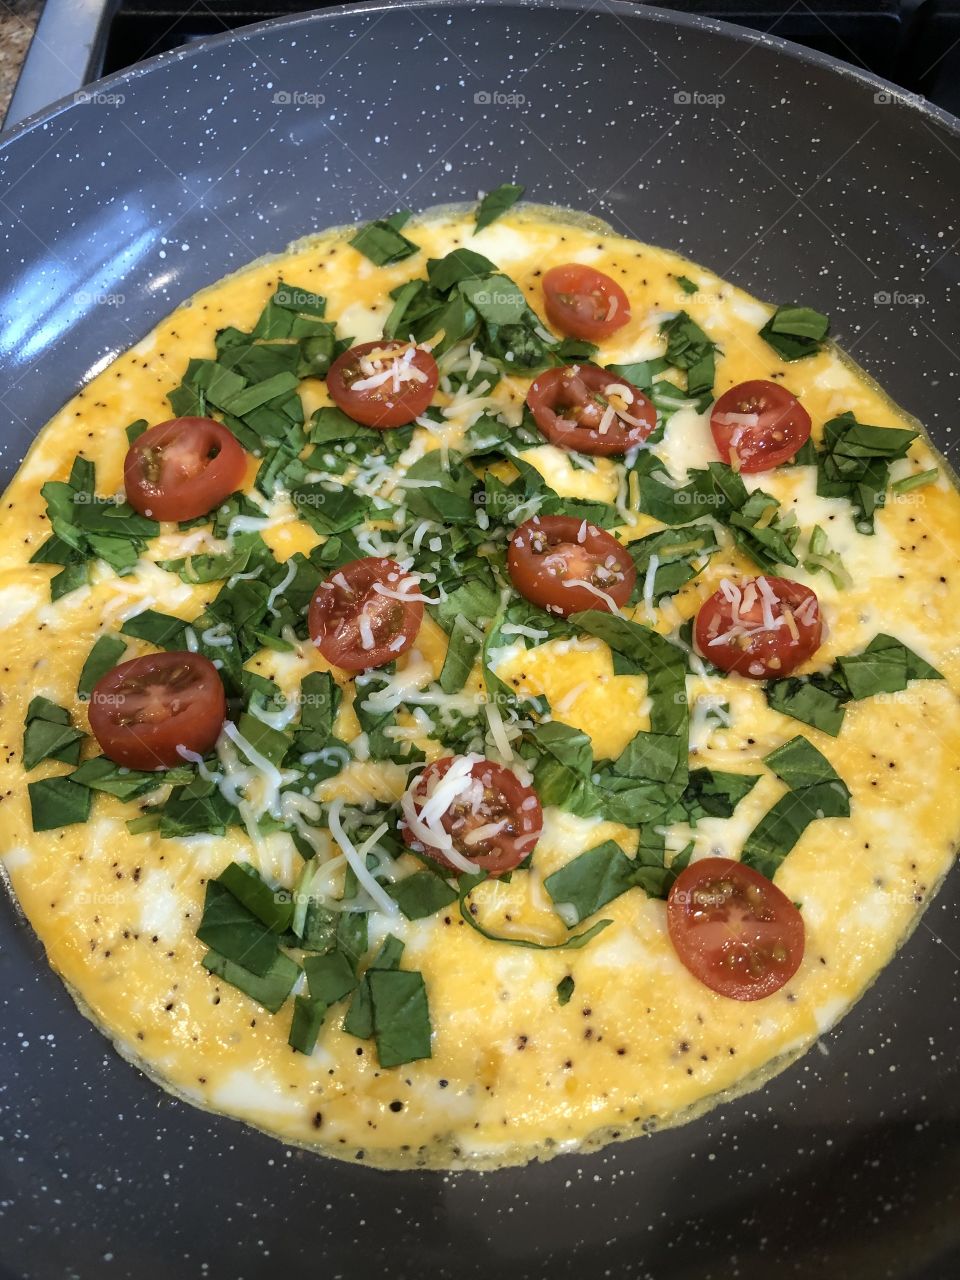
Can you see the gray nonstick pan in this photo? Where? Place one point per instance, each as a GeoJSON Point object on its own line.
{"type": "Point", "coordinates": [791, 174]}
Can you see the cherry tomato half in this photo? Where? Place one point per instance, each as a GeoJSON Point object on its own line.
{"type": "Point", "coordinates": [486, 816]}
{"type": "Point", "coordinates": [383, 384]}
{"type": "Point", "coordinates": [141, 711]}
{"type": "Point", "coordinates": [566, 565]}
{"type": "Point", "coordinates": [733, 929]}
{"type": "Point", "coordinates": [362, 616]}
{"type": "Point", "coordinates": [763, 628]}
{"type": "Point", "coordinates": [584, 303]}
{"type": "Point", "coordinates": [585, 408]}
{"type": "Point", "coordinates": [758, 425]}
{"type": "Point", "coordinates": [182, 469]}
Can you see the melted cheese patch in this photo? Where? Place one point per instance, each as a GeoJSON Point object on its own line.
{"type": "Point", "coordinates": [513, 1073]}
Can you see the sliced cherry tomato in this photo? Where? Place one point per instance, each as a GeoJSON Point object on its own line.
{"type": "Point", "coordinates": [383, 384]}
{"type": "Point", "coordinates": [482, 819]}
{"type": "Point", "coordinates": [143, 710]}
{"type": "Point", "coordinates": [763, 628]}
{"type": "Point", "coordinates": [182, 469]}
{"type": "Point", "coordinates": [585, 408]}
{"type": "Point", "coordinates": [566, 565]}
{"type": "Point", "coordinates": [362, 616]}
{"type": "Point", "coordinates": [758, 425]}
{"type": "Point", "coordinates": [584, 303]}
{"type": "Point", "coordinates": [733, 929]}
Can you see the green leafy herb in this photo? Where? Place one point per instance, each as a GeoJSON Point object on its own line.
{"type": "Point", "coordinates": [106, 653]}
{"type": "Point", "coordinates": [308, 1016]}
{"type": "Point", "coordinates": [359, 1019]}
{"type": "Point", "coordinates": [269, 989]}
{"type": "Point", "coordinates": [401, 1016]}
{"type": "Point", "coordinates": [686, 284]}
{"type": "Point", "coordinates": [885, 666]}
{"type": "Point", "coordinates": [689, 349]}
{"type": "Point", "coordinates": [330, 977]}
{"type": "Point", "coordinates": [495, 203]}
{"type": "Point", "coordinates": [816, 790]}
{"type": "Point", "coordinates": [234, 932]}
{"type": "Point", "coordinates": [854, 463]}
{"type": "Point", "coordinates": [677, 552]}
{"type": "Point", "coordinates": [565, 989]}
{"type": "Point", "coordinates": [468, 910]}
{"type": "Point", "coordinates": [795, 332]}
{"type": "Point", "coordinates": [86, 527]}
{"type": "Point", "coordinates": [161, 629]}
{"type": "Point", "coordinates": [101, 774]}
{"type": "Point", "coordinates": [58, 802]}
{"type": "Point", "coordinates": [563, 768]}
{"type": "Point", "coordinates": [271, 907]}
{"type": "Point", "coordinates": [591, 880]}
{"type": "Point", "coordinates": [381, 242]}
{"type": "Point", "coordinates": [422, 894]}
{"type": "Point", "coordinates": [814, 700]}
{"type": "Point", "coordinates": [49, 735]}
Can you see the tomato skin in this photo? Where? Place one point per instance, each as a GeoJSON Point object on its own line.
{"type": "Point", "coordinates": [341, 599]}
{"type": "Point", "coordinates": [584, 303]}
{"type": "Point", "coordinates": [142, 710]}
{"type": "Point", "coordinates": [383, 406]}
{"type": "Point", "coordinates": [734, 930]}
{"type": "Point", "coordinates": [573, 390]}
{"type": "Point", "coordinates": [547, 550]}
{"type": "Point", "coordinates": [781, 426]}
{"type": "Point", "coordinates": [183, 468]}
{"type": "Point", "coordinates": [755, 652]}
{"type": "Point", "coordinates": [505, 798]}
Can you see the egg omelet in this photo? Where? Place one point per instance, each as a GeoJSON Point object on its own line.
{"type": "Point", "coordinates": [502, 1042]}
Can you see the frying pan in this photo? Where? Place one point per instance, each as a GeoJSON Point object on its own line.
{"type": "Point", "coordinates": [795, 176]}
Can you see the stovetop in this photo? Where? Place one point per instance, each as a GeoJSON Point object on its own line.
{"type": "Point", "coordinates": [914, 43]}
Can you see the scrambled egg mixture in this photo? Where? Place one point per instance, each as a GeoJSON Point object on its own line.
{"type": "Point", "coordinates": [514, 1072]}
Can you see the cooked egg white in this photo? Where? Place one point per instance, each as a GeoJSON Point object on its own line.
{"type": "Point", "coordinates": [513, 1074]}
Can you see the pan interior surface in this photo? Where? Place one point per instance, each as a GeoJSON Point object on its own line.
{"type": "Point", "coordinates": [771, 168]}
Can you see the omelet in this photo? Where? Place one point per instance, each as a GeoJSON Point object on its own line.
{"type": "Point", "coordinates": [354, 995]}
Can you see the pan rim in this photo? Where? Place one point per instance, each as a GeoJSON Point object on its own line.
{"type": "Point", "coordinates": [621, 9]}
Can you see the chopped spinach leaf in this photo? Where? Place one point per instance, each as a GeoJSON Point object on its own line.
{"type": "Point", "coordinates": [401, 1016]}
{"type": "Point", "coordinates": [49, 735]}
{"type": "Point", "coordinates": [469, 912]}
{"type": "Point", "coordinates": [381, 242]}
{"type": "Point", "coordinates": [816, 790]}
{"type": "Point", "coordinates": [495, 203]}
{"type": "Point", "coordinates": [269, 989]}
{"type": "Point", "coordinates": [885, 666]}
{"type": "Point", "coordinates": [854, 463]}
{"type": "Point", "coordinates": [795, 332]}
{"type": "Point", "coordinates": [106, 654]}
{"type": "Point", "coordinates": [689, 349]}
{"type": "Point", "coordinates": [58, 802]}
{"type": "Point", "coordinates": [422, 894]}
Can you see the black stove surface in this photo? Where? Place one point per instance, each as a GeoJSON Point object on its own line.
{"type": "Point", "coordinates": [914, 43]}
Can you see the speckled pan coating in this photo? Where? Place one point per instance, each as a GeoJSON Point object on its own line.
{"type": "Point", "coordinates": [806, 182]}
